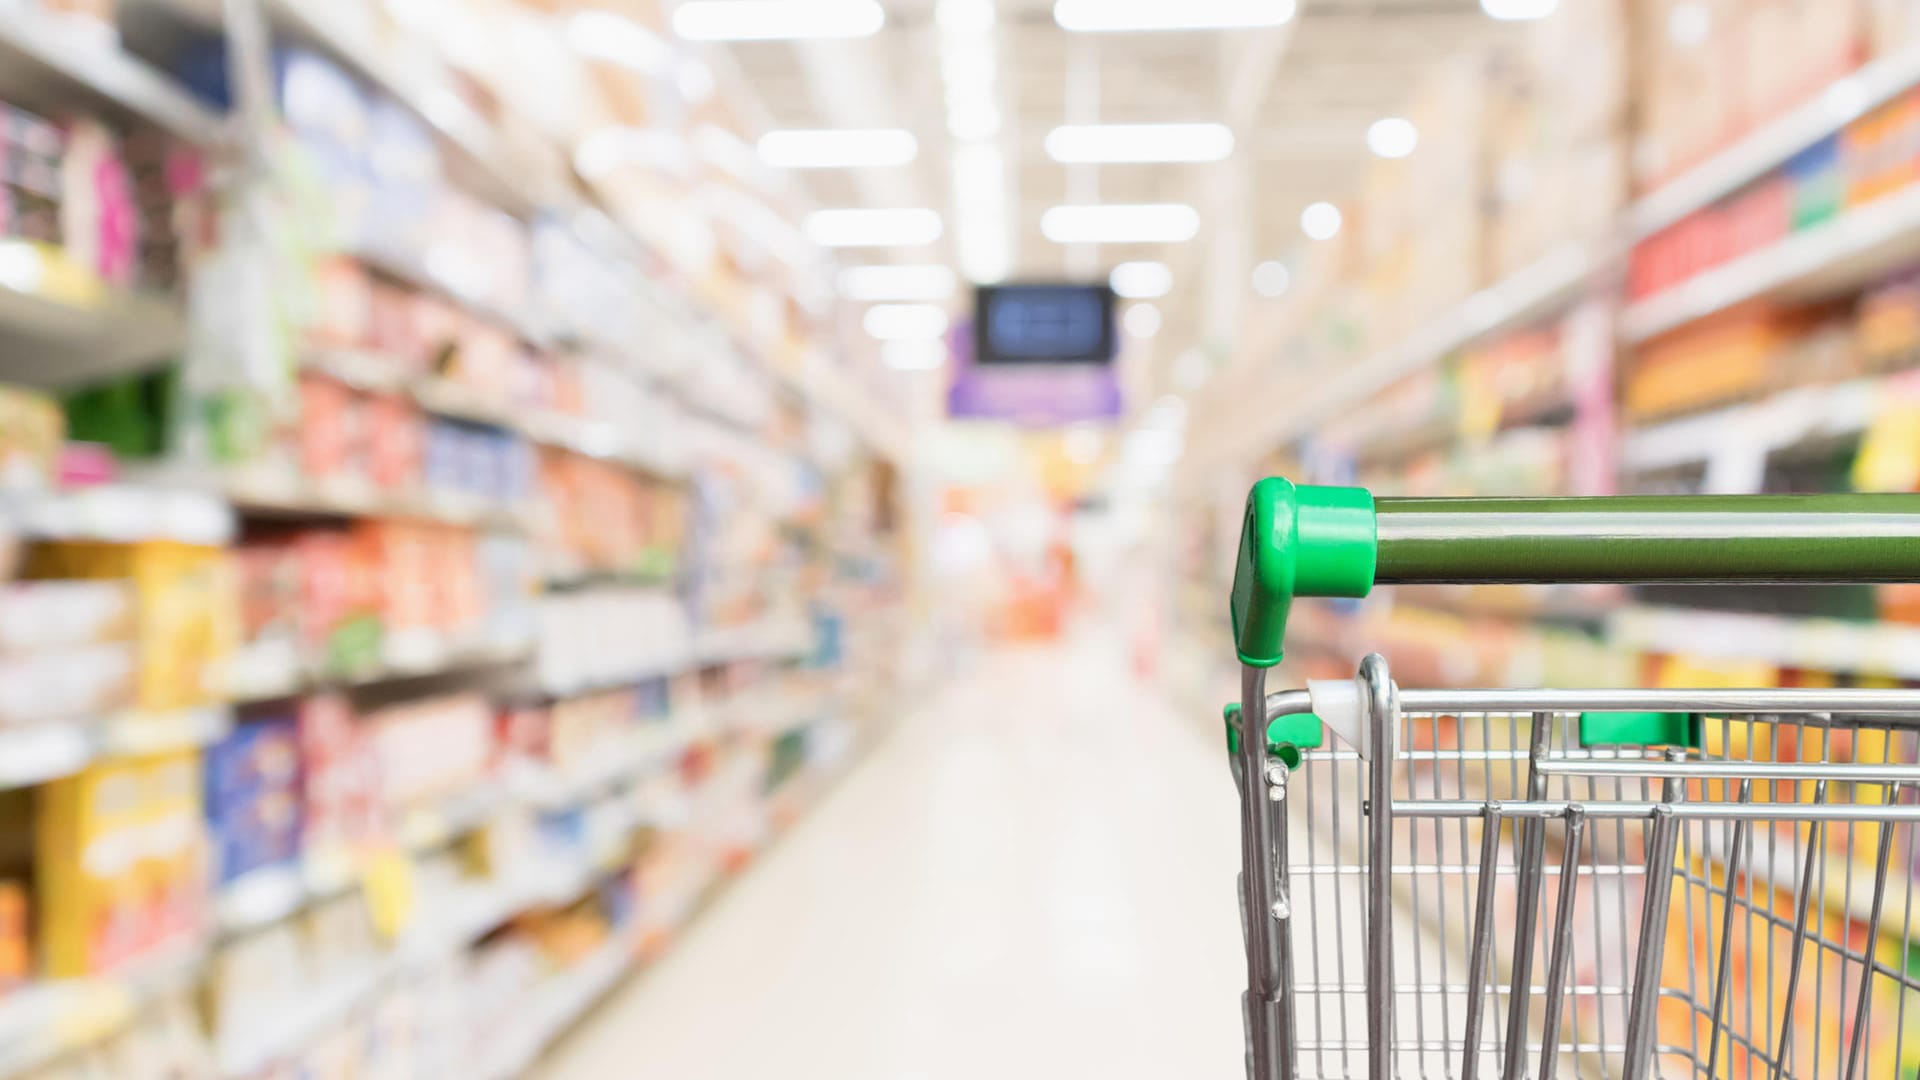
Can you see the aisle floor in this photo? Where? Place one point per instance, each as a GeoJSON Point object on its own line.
{"type": "Point", "coordinates": [1032, 877]}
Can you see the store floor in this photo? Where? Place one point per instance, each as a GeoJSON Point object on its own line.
{"type": "Point", "coordinates": [1033, 877]}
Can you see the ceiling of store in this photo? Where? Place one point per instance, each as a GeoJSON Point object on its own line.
{"type": "Point", "coordinates": [1300, 97]}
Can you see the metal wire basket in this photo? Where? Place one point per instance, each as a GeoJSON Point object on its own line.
{"type": "Point", "coordinates": [1535, 883]}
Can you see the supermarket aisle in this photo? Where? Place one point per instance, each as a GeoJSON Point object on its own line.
{"type": "Point", "coordinates": [1034, 878]}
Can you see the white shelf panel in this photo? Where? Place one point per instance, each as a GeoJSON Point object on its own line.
{"type": "Point", "coordinates": [50, 57]}
{"type": "Point", "coordinates": [60, 327]}
{"type": "Point", "coordinates": [1853, 249]}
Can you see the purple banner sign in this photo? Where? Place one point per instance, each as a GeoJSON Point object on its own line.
{"type": "Point", "coordinates": [1031, 395]}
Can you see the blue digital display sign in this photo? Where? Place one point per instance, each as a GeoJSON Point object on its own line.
{"type": "Point", "coordinates": [1044, 324]}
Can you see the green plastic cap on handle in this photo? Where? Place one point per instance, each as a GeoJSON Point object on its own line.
{"type": "Point", "coordinates": [1297, 541]}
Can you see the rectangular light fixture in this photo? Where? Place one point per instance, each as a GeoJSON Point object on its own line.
{"type": "Point", "coordinates": [1121, 223]}
{"type": "Point", "coordinates": [922, 355]}
{"type": "Point", "coordinates": [1122, 15]}
{"type": "Point", "coordinates": [983, 243]}
{"type": "Point", "coordinates": [873, 228]}
{"type": "Point", "coordinates": [850, 148]}
{"type": "Point", "coordinates": [868, 284]}
{"type": "Point", "coordinates": [1107, 144]}
{"type": "Point", "coordinates": [776, 20]}
{"type": "Point", "coordinates": [905, 322]}
{"type": "Point", "coordinates": [1141, 280]}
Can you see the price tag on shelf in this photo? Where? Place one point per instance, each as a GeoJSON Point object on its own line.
{"type": "Point", "coordinates": [390, 890]}
{"type": "Point", "coordinates": [1889, 458]}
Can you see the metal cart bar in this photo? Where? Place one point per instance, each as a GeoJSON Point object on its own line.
{"type": "Point", "coordinates": [1646, 539]}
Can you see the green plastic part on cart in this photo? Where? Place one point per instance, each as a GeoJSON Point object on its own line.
{"type": "Point", "coordinates": [1640, 729]}
{"type": "Point", "coordinates": [1297, 541]}
{"type": "Point", "coordinates": [1286, 735]}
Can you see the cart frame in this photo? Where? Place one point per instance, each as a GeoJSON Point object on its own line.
{"type": "Point", "coordinates": [1340, 542]}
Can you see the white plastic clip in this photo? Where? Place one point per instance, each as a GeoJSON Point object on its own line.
{"type": "Point", "coordinates": [1342, 705]}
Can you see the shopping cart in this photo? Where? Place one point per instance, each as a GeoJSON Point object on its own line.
{"type": "Point", "coordinates": [1537, 883]}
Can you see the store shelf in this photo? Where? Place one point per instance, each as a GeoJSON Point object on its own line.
{"type": "Point", "coordinates": [39, 753]}
{"type": "Point", "coordinates": [62, 326]}
{"type": "Point", "coordinates": [50, 58]}
{"type": "Point", "coordinates": [331, 29]}
{"type": "Point", "coordinates": [564, 998]}
{"type": "Point", "coordinates": [260, 898]}
{"type": "Point", "coordinates": [1533, 293]}
{"type": "Point", "coordinates": [35, 755]}
{"type": "Point", "coordinates": [270, 674]}
{"type": "Point", "coordinates": [460, 921]}
{"type": "Point", "coordinates": [44, 1022]}
{"type": "Point", "coordinates": [1771, 145]}
{"type": "Point", "coordinates": [442, 276]}
{"type": "Point", "coordinates": [1811, 644]}
{"type": "Point", "coordinates": [119, 513]}
{"type": "Point", "coordinates": [583, 435]}
{"type": "Point", "coordinates": [768, 639]}
{"type": "Point", "coordinates": [267, 491]}
{"type": "Point", "coordinates": [1734, 442]}
{"type": "Point", "coordinates": [547, 789]}
{"type": "Point", "coordinates": [140, 732]}
{"type": "Point", "coordinates": [1853, 249]}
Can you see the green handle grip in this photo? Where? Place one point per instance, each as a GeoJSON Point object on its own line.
{"type": "Point", "coordinates": [1305, 541]}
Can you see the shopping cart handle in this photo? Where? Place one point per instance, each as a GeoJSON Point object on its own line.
{"type": "Point", "coordinates": [1340, 541]}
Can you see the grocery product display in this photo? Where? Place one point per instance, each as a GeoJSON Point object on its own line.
{"type": "Point", "coordinates": [1720, 307]}
{"type": "Point", "coordinates": [370, 703]}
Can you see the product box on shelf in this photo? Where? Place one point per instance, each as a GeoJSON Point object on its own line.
{"type": "Point", "coordinates": [1791, 50]}
{"type": "Point", "coordinates": [253, 797]}
{"type": "Point", "coordinates": [1688, 83]}
{"type": "Point", "coordinates": [187, 612]}
{"type": "Point", "coordinates": [41, 615]}
{"type": "Point", "coordinates": [120, 863]}
{"type": "Point", "coordinates": [431, 751]}
{"type": "Point", "coordinates": [339, 599]}
{"type": "Point", "coordinates": [32, 431]}
{"type": "Point", "coordinates": [340, 794]}
{"type": "Point", "coordinates": [1892, 25]}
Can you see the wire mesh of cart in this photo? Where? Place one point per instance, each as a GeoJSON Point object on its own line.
{"type": "Point", "coordinates": [1543, 883]}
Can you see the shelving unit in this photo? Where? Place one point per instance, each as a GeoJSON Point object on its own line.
{"type": "Point", "coordinates": [584, 791]}
{"type": "Point", "coordinates": [46, 58]}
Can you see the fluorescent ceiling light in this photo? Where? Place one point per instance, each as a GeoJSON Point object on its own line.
{"type": "Point", "coordinates": [965, 16]}
{"type": "Point", "coordinates": [1392, 137]}
{"type": "Point", "coordinates": [1321, 221]}
{"type": "Point", "coordinates": [906, 322]}
{"type": "Point", "coordinates": [1106, 144]}
{"type": "Point", "coordinates": [983, 240]}
{"type": "Point", "coordinates": [853, 148]}
{"type": "Point", "coordinates": [1142, 320]}
{"type": "Point", "coordinates": [1519, 10]}
{"type": "Point", "coordinates": [1270, 279]}
{"type": "Point", "coordinates": [1110, 15]}
{"type": "Point", "coordinates": [873, 228]}
{"type": "Point", "coordinates": [1121, 223]}
{"type": "Point", "coordinates": [776, 20]}
{"type": "Point", "coordinates": [602, 35]}
{"type": "Point", "coordinates": [914, 355]}
{"type": "Point", "coordinates": [866, 284]}
{"type": "Point", "coordinates": [1141, 280]}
